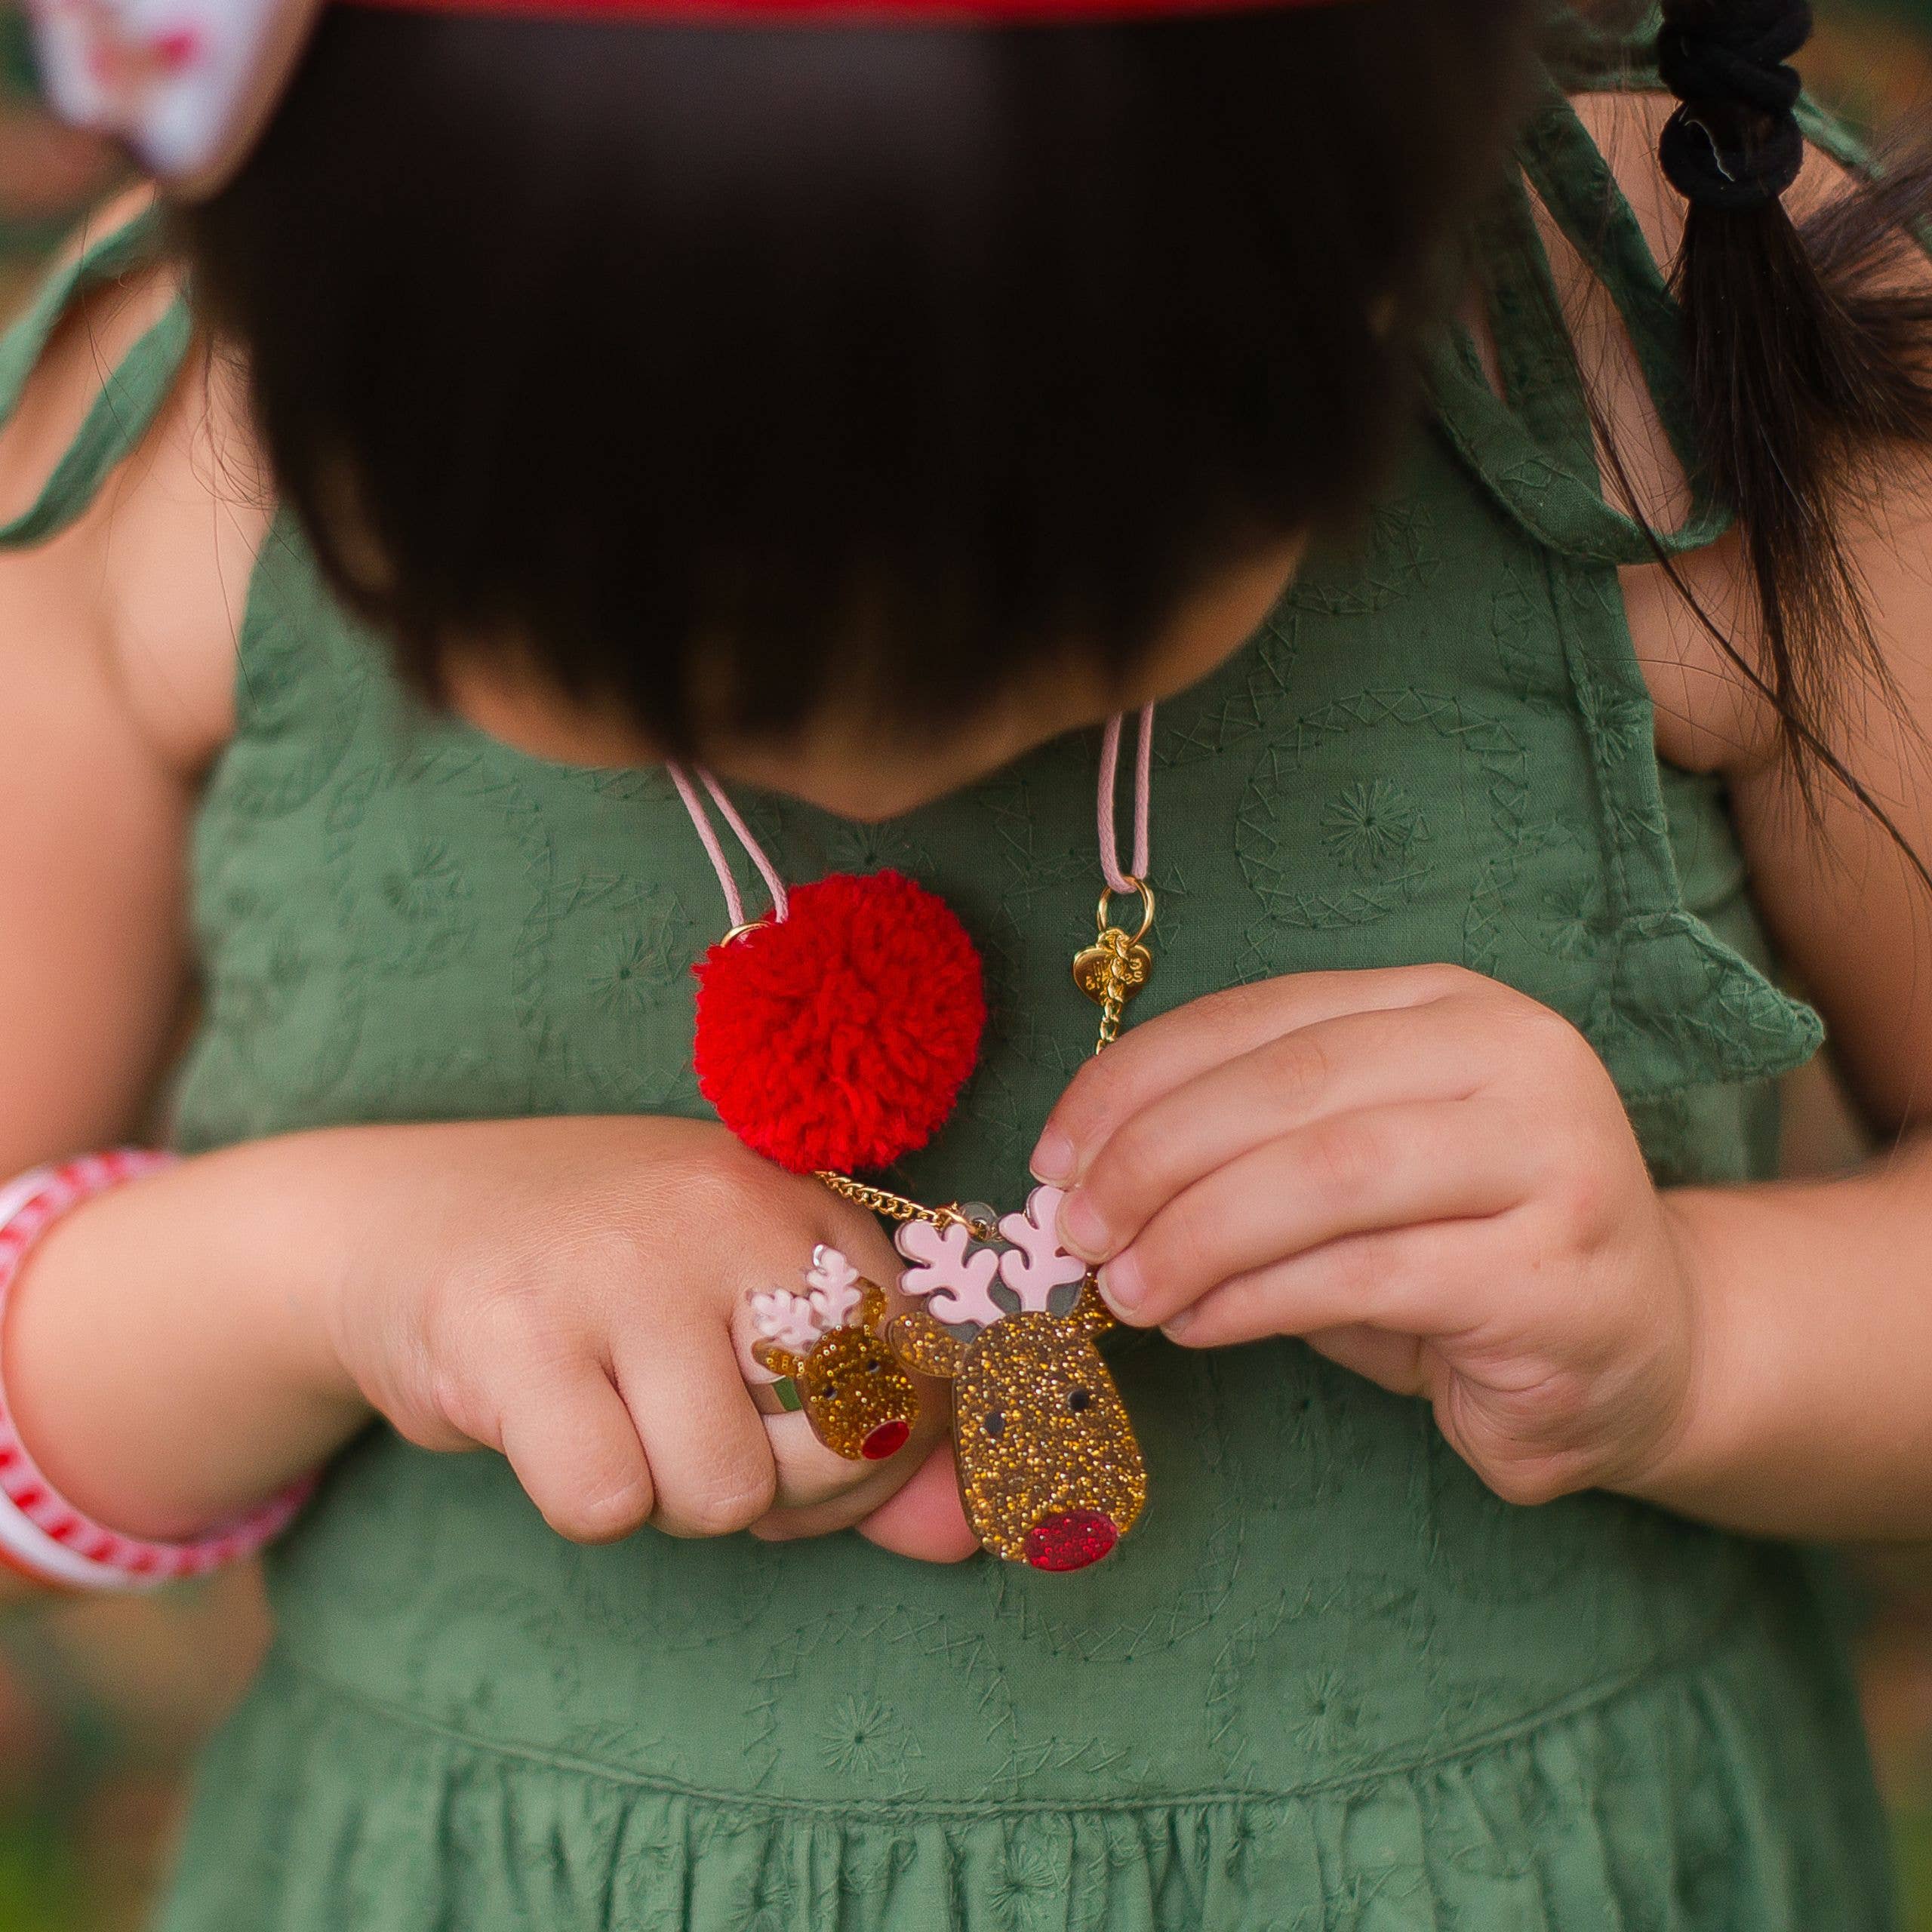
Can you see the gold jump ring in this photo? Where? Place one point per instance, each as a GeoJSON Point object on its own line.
{"type": "Point", "coordinates": [1104, 921]}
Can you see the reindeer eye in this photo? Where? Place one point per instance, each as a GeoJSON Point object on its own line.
{"type": "Point", "coordinates": [1079, 1399]}
{"type": "Point", "coordinates": [995, 1424]}
{"type": "Point", "coordinates": [875, 1364]}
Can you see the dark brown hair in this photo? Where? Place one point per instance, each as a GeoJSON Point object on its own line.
{"type": "Point", "coordinates": [718, 371]}
{"type": "Point", "coordinates": [722, 370]}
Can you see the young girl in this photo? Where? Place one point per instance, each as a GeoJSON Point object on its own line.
{"type": "Point", "coordinates": [868, 408]}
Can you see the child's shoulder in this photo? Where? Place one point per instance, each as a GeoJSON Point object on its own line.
{"type": "Point", "coordinates": [148, 562]}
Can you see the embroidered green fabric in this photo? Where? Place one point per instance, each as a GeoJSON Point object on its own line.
{"type": "Point", "coordinates": [1332, 1682]}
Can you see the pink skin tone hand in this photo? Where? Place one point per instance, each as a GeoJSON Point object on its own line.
{"type": "Point", "coordinates": [570, 1293]}
{"type": "Point", "coordinates": [1430, 1178]}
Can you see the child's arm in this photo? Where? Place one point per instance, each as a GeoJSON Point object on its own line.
{"type": "Point", "coordinates": [113, 706]}
{"type": "Point", "coordinates": [1814, 1409]}
{"type": "Point", "coordinates": [114, 702]}
{"type": "Point", "coordinates": [1432, 1178]}
{"type": "Point", "coordinates": [571, 1293]}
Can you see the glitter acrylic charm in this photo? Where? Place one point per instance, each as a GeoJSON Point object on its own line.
{"type": "Point", "coordinates": [1050, 1473]}
{"type": "Point", "coordinates": [860, 1403]}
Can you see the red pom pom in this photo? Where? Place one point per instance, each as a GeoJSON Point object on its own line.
{"type": "Point", "coordinates": [840, 1036]}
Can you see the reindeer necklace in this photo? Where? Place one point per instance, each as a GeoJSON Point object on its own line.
{"type": "Point", "coordinates": [836, 1031]}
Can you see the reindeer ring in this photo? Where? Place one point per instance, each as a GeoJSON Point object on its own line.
{"type": "Point", "coordinates": [1049, 1472]}
{"type": "Point", "coordinates": [828, 1343]}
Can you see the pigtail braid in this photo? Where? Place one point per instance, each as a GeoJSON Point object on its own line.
{"type": "Point", "coordinates": [1808, 348]}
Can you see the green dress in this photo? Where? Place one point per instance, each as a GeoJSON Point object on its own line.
{"type": "Point", "coordinates": [1331, 1681]}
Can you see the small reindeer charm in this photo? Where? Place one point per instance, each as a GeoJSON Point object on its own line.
{"type": "Point", "coordinates": [1049, 1470]}
{"type": "Point", "coordinates": [860, 1403]}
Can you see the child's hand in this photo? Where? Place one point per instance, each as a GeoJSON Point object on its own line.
{"type": "Point", "coordinates": [572, 1293]}
{"type": "Point", "coordinates": [1427, 1175]}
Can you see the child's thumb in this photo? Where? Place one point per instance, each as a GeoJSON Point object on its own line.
{"type": "Point", "coordinates": [924, 1520]}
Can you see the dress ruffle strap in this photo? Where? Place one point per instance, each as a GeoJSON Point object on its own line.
{"type": "Point", "coordinates": [1534, 450]}
{"type": "Point", "coordinates": [130, 395]}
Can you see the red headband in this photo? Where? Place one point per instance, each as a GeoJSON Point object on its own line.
{"type": "Point", "coordinates": [188, 84]}
{"type": "Point", "coordinates": [867, 13]}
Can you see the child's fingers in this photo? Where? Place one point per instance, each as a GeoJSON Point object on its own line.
{"type": "Point", "coordinates": [1417, 1282]}
{"type": "Point", "coordinates": [925, 1520]}
{"type": "Point", "coordinates": [576, 1450]}
{"type": "Point", "coordinates": [1160, 1054]}
{"type": "Point", "coordinates": [833, 1492]}
{"type": "Point", "coordinates": [929, 1526]}
{"type": "Point", "coordinates": [1440, 1051]}
{"type": "Point", "coordinates": [809, 1474]}
{"type": "Point", "coordinates": [711, 1462]}
{"type": "Point", "coordinates": [863, 1491]}
{"type": "Point", "coordinates": [1384, 1167]}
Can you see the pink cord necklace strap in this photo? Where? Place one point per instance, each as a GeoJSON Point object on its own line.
{"type": "Point", "coordinates": [728, 883]}
{"type": "Point", "coordinates": [688, 778]}
{"type": "Point", "coordinates": [41, 1532]}
{"type": "Point", "coordinates": [1143, 788]}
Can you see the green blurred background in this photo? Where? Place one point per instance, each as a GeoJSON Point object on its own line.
{"type": "Point", "coordinates": [101, 1704]}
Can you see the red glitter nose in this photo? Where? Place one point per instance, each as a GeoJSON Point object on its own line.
{"type": "Point", "coordinates": [1071, 1542]}
{"type": "Point", "coordinates": [886, 1440]}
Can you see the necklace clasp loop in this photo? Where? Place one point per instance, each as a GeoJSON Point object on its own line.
{"type": "Point", "coordinates": [1103, 919]}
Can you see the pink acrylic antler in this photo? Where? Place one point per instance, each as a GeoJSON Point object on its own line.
{"type": "Point", "coordinates": [835, 1292]}
{"type": "Point", "coordinates": [789, 1320]}
{"type": "Point", "coordinates": [798, 1322]}
{"type": "Point", "coordinates": [959, 1281]}
{"type": "Point", "coordinates": [1036, 1264]}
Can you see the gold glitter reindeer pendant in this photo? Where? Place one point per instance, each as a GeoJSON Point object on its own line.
{"type": "Point", "coordinates": [860, 1403]}
{"type": "Point", "coordinates": [1049, 1472]}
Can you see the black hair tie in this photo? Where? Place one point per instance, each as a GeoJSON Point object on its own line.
{"type": "Point", "coordinates": [1734, 143]}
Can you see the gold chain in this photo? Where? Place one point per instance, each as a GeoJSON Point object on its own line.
{"type": "Point", "coordinates": [1113, 990]}
{"type": "Point", "coordinates": [897, 1207]}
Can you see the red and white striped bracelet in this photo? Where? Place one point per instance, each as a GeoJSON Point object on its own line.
{"type": "Point", "coordinates": [41, 1533]}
